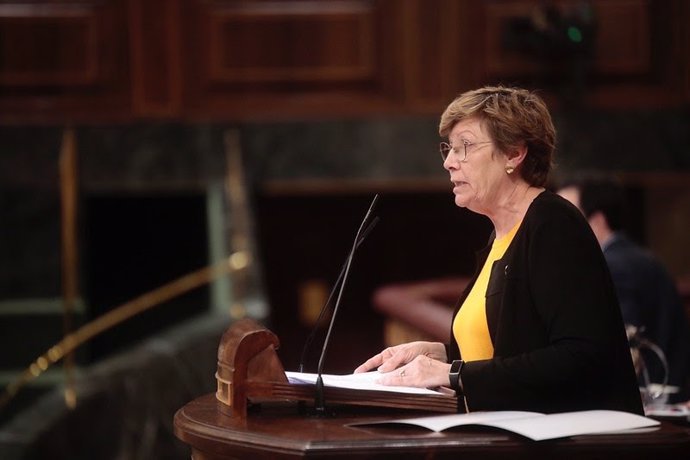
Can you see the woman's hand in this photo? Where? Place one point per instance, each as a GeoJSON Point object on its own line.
{"type": "Point", "coordinates": [418, 364]}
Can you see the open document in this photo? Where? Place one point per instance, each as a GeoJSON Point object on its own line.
{"type": "Point", "coordinates": [361, 381]}
{"type": "Point", "coordinates": [534, 425]}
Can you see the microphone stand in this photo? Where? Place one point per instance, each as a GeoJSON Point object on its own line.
{"type": "Point", "coordinates": [312, 335]}
{"type": "Point", "coordinates": [319, 400]}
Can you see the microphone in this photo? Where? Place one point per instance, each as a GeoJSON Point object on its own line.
{"type": "Point", "coordinates": [319, 401]}
{"type": "Point", "coordinates": [322, 313]}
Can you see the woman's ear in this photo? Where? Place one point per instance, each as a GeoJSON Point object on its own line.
{"type": "Point", "coordinates": [516, 156]}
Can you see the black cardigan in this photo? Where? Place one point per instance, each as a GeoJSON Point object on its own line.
{"type": "Point", "coordinates": [559, 340]}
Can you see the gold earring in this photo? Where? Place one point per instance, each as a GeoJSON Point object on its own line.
{"type": "Point", "coordinates": [509, 169]}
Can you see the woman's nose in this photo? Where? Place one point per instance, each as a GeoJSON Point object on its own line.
{"type": "Point", "coordinates": [450, 162]}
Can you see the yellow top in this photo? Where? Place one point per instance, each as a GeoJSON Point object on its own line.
{"type": "Point", "coordinates": [470, 327]}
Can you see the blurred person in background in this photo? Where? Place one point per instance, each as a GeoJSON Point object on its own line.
{"type": "Point", "coordinates": [650, 304]}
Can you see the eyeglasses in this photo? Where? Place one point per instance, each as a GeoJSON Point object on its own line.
{"type": "Point", "coordinates": [445, 148]}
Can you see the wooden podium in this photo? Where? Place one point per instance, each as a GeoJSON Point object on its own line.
{"type": "Point", "coordinates": [249, 371]}
{"type": "Point", "coordinates": [256, 414]}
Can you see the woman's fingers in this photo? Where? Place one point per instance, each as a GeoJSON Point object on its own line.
{"type": "Point", "coordinates": [375, 361]}
{"type": "Point", "coordinates": [370, 364]}
{"type": "Point", "coordinates": [393, 357]}
{"type": "Point", "coordinates": [395, 360]}
{"type": "Point", "coordinates": [422, 372]}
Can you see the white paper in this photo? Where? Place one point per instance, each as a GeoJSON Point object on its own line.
{"type": "Point", "coordinates": [575, 423]}
{"type": "Point", "coordinates": [443, 422]}
{"type": "Point", "coordinates": [360, 381]}
{"type": "Point", "coordinates": [535, 425]}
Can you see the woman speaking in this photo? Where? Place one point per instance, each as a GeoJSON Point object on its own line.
{"type": "Point", "coordinates": [538, 327]}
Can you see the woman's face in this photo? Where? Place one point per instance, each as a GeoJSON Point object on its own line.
{"type": "Point", "coordinates": [478, 179]}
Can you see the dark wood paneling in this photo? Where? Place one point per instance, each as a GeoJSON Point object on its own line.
{"type": "Point", "coordinates": [55, 48]}
{"type": "Point", "coordinates": [156, 57]}
{"type": "Point", "coordinates": [623, 38]}
{"type": "Point", "coordinates": [290, 57]}
{"type": "Point", "coordinates": [634, 48]}
{"type": "Point", "coordinates": [111, 60]}
{"type": "Point", "coordinates": [621, 46]}
{"type": "Point", "coordinates": [433, 44]}
{"type": "Point", "coordinates": [292, 42]}
{"type": "Point", "coordinates": [61, 61]}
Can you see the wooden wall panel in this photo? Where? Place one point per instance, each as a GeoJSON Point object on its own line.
{"type": "Point", "coordinates": [282, 42]}
{"type": "Point", "coordinates": [634, 62]}
{"type": "Point", "coordinates": [621, 46]}
{"type": "Point", "coordinates": [55, 47]}
{"type": "Point", "coordinates": [61, 61]}
{"type": "Point", "coordinates": [294, 57]}
{"type": "Point", "coordinates": [433, 43]}
{"type": "Point", "coordinates": [155, 45]}
{"type": "Point", "coordinates": [623, 38]}
{"type": "Point", "coordinates": [112, 60]}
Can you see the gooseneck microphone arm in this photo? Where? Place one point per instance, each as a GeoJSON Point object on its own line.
{"type": "Point", "coordinates": [317, 323]}
{"type": "Point", "coordinates": [319, 400]}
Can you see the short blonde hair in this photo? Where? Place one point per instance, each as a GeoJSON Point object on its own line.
{"type": "Point", "coordinates": [512, 117]}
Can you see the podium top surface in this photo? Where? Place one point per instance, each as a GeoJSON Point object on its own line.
{"type": "Point", "coordinates": [280, 431]}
